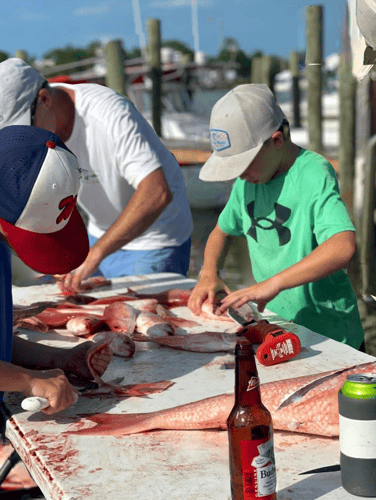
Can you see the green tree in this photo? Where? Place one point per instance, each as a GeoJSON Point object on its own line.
{"type": "Point", "coordinates": [180, 47]}
{"type": "Point", "coordinates": [133, 54]}
{"type": "Point", "coordinates": [231, 52]}
{"type": "Point", "coordinates": [3, 56]}
{"type": "Point", "coordinates": [72, 54]}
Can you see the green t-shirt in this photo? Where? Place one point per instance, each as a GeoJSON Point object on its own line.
{"type": "Point", "coordinates": [283, 221]}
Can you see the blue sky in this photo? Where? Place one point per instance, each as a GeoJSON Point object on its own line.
{"type": "Point", "coordinates": [273, 26]}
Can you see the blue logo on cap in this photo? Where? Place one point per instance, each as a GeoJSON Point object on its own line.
{"type": "Point", "coordinates": [219, 139]}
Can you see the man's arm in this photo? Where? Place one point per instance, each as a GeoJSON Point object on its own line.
{"type": "Point", "coordinates": [147, 203]}
{"type": "Point", "coordinates": [328, 258]}
{"type": "Point", "coordinates": [209, 281]}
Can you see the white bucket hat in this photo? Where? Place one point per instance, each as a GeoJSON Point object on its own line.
{"type": "Point", "coordinates": [241, 121]}
{"type": "Point", "coordinates": [19, 86]}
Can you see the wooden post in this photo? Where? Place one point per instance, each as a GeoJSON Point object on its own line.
{"type": "Point", "coordinates": [115, 77]}
{"type": "Point", "coordinates": [21, 54]}
{"type": "Point", "coordinates": [314, 57]}
{"type": "Point", "coordinates": [294, 68]}
{"type": "Point", "coordinates": [368, 243]}
{"type": "Point", "coordinates": [256, 75]}
{"type": "Point", "coordinates": [154, 59]}
{"type": "Point", "coordinates": [266, 66]}
{"type": "Point", "coordinates": [346, 160]}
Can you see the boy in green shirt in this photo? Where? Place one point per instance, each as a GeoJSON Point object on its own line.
{"type": "Point", "coordinates": [286, 202]}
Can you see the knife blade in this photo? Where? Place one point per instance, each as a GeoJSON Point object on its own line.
{"type": "Point", "coordinates": [328, 468]}
{"type": "Point", "coordinates": [240, 319]}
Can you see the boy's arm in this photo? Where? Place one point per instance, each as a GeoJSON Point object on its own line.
{"type": "Point", "coordinates": [328, 258]}
{"type": "Point", "coordinates": [209, 280]}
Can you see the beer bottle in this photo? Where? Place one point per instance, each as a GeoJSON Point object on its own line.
{"type": "Point", "coordinates": [250, 433]}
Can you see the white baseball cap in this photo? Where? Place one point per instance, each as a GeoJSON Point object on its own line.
{"type": "Point", "coordinates": [241, 121]}
{"type": "Point", "coordinates": [19, 86]}
{"type": "Point", "coordinates": [366, 21]}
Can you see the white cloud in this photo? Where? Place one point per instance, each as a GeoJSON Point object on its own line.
{"type": "Point", "coordinates": [91, 10]}
{"type": "Point", "coordinates": [179, 3]}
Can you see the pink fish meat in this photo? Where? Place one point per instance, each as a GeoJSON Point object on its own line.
{"type": "Point", "coordinates": [120, 344]}
{"type": "Point", "coordinates": [199, 342]}
{"type": "Point", "coordinates": [120, 317]}
{"type": "Point", "coordinates": [312, 407]}
{"type": "Point", "coordinates": [152, 325]}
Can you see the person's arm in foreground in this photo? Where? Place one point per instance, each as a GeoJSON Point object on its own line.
{"type": "Point", "coordinates": [328, 258]}
{"type": "Point", "coordinates": [209, 281]}
{"type": "Point", "coordinates": [147, 203]}
{"type": "Point", "coordinates": [38, 370]}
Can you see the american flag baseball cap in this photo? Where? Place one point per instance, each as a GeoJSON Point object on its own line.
{"type": "Point", "coordinates": [40, 179]}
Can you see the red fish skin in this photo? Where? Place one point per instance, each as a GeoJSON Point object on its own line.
{"type": "Point", "coordinates": [59, 318]}
{"type": "Point", "coordinates": [316, 413]}
{"type": "Point", "coordinates": [210, 413]}
{"type": "Point", "coordinates": [200, 342]}
{"type": "Point", "coordinates": [120, 317]}
{"type": "Point", "coordinates": [120, 344]}
{"type": "Point", "coordinates": [81, 326]}
{"type": "Point", "coordinates": [320, 402]}
{"type": "Point", "coordinates": [152, 325]}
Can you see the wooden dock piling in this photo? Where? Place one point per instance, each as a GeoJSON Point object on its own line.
{"type": "Point", "coordinates": [115, 76]}
{"type": "Point", "coordinates": [154, 60]}
{"type": "Point", "coordinates": [314, 58]}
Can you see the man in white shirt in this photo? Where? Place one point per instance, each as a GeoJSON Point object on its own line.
{"type": "Point", "coordinates": [132, 187]}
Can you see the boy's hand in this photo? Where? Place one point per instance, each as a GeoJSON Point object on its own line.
{"type": "Point", "coordinates": [262, 293]}
{"type": "Point", "coordinates": [205, 290]}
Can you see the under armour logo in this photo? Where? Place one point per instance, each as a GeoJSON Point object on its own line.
{"type": "Point", "coordinates": [281, 215]}
{"type": "Point", "coordinates": [66, 205]}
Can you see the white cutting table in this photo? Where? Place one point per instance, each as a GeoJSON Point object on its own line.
{"type": "Point", "coordinates": [173, 465]}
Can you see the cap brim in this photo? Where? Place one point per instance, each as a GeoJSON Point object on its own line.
{"type": "Point", "coordinates": [52, 253]}
{"type": "Point", "coordinates": [227, 168]}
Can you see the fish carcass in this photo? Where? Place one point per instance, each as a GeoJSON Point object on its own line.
{"type": "Point", "coordinates": [119, 390]}
{"type": "Point", "coordinates": [305, 404]}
